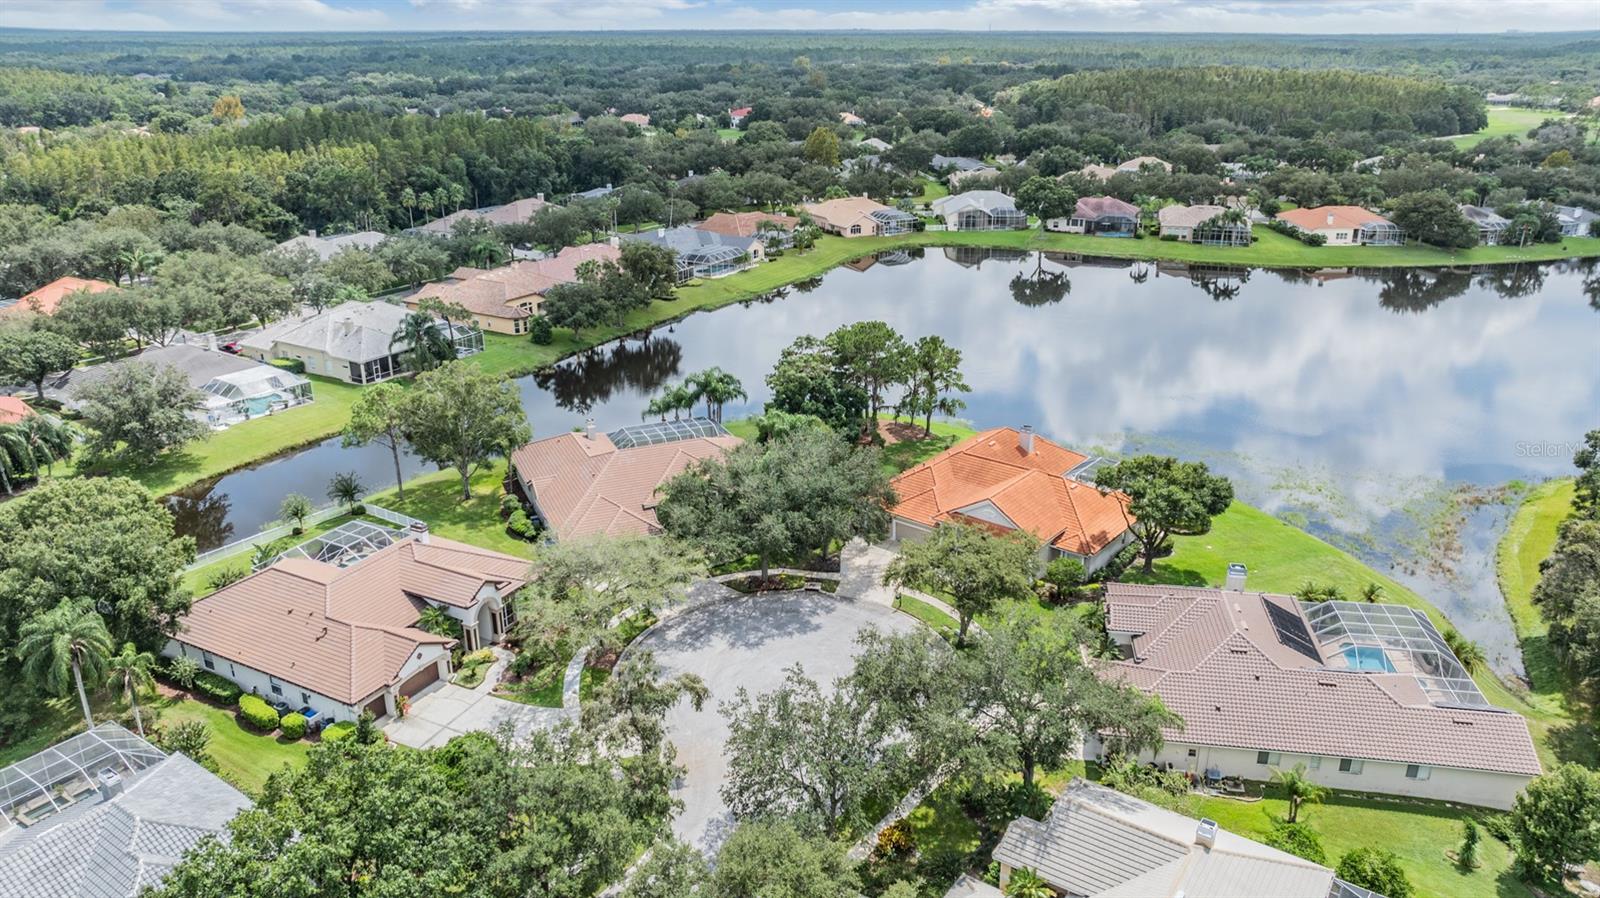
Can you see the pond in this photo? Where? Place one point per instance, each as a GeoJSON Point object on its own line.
{"type": "Point", "coordinates": [1372, 407]}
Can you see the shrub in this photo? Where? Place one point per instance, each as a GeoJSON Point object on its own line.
{"type": "Point", "coordinates": [294, 365]}
{"type": "Point", "coordinates": [895, 840]}
{"type": "Point", "coordinates": [1499, 826]}
{"type": "Point", "coordinates": [219, 689]}
{"type": "Point", "coordinates": [339, 732]}
{"type": "Point", "coordinates": [481, 656]}
{"type": "Point", "coordinates": [521, 526]}
{"type": "Point", "coordinates": [367, 732]}
{"type": "Point", "coordinates": [226, 576]}
{"type": "Point", "coordinates": [509, 505]}
{"type": "Point", "coordinates": [1119, 563]}
{"type": "Point", "coordinates": [190, 737]}
{"type": "Point", "coordinates": [293, 725]}
{"type": "Point", "coordinates": [256, 713]}
{"type": "Point", "coordinates": [1298, 839]}
{"type": "Point", "coordinates": [1376, 869]}
{"type": "Point", "coordinates": [1065, 574]}
{"type": "Point", "coordinates": [540, 331]}
{"type": "Point", "coordinates": [183, 671]}
{"type": "Point", "coordinates": [1467, 854]}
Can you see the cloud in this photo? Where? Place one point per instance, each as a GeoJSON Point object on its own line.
{"type": "Point", "coordinates": [196, 15]}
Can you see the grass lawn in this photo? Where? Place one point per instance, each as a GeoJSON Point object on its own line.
{"type": "Point", "coordinates": [942, 623]}
{"type": "Point", "coordinates": [244, 756]}
{"type": "Point", "coordinates": [1507, 120]}
{"type": "Point", "coordinates": [542, 688]}
{"type": "Point", "coordinates": [436, 498]}
{"type": "Point", "coordinates": [931, 190]}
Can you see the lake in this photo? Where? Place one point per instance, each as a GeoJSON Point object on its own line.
{"type": "Point", "coordinates": [1371, 407]}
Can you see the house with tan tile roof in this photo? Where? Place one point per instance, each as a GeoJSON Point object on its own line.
{"type": "Point", "coordinates": [1345, 225]}
{"type": "Point", "coordinates": [857, 216]}
{"type": "Point", "coordinates": [751, 224]}
{"type": "Point", "coordinates": [505, 299]}
{"type": "Point", "coordinates": [333, 624]}
{"type": "Point", "coordinates": [1367, 695]}
{"type": "Point", "coordinates": [46, 299]}
{"type": "Point", "coordinates": [1102, 216]}
{"type": "Point", "coordinates": [1011, 479]}
{"type": "Point", "coordinates": [514, 212]}
{"type": "Point", "coordinates": [588, 483]}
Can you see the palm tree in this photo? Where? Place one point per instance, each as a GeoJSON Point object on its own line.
{"type": "Point", "coordinates": [1025, 883]}
{"type": "Point", "coordinates": [130, 669]}
{"type": "Point", "coordinates": [49, 439]}
{"type": "Point", "coordinates": [68, 638]}
{"type": "Point", "coordinates": [408, 199]}
{"type": "Point", "coordinates": [487, 253]}
{"type": "Point", "coordinates": [1465, 650]}
{"type": "Point", "coordinates": [16, 461]}
{"type": "Point", "coordinates": [424, 342]}
{"type": "Point", "coordinates": [674, 398]}
{"type": "Point", "coordinates": [346, 489]}
{"type": "Point", "coordinates": [717, 387]}
{"type": "Point", "coordinates": [1299, 788]}
{"type": "Point", "coordinates": [137, 261]}
{"type": "Point", "coordinates": [1372, 592]}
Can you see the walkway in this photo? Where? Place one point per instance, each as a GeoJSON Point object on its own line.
{"type": "Point", "coordinates": [861, 568]}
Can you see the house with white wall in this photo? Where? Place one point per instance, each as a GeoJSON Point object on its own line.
{"type": "Point", "coordinates": [334, 623]}
{"type": "Point", "coordinates": [1366, 695]}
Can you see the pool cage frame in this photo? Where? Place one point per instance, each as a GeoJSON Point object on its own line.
{"type": "Point", "coordinates": [89, 756]}
{"type": "Point", "coordinates": [1405, 635]}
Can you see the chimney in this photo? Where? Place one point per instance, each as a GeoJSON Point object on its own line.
{"type": "Point", "coordinates": [539, 196]}
{"type": "Point", "coordinates": [588, 429]}
{"type": "Point", "coordinates": [110, 784]}
{"type": "Point", "coordinates": [1236, 573]}
{"type": "Point", "coordinates": [1330, 218]}
{"type": "Point", "coordinates": [312, 233]}
{"type": "Point", "coordinates": [1206, 834]}
{"type": "Point", "coordinates": [1025, 439]}
{"type": "Point", "coordinates": [347, 325]}
{"type": "Point", "coordinates": [690, 175]}
{"type": "Point", "coordinates": [419, 531]}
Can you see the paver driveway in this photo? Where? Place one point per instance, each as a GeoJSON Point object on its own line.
{"type": "Point", "coordinates": [748, 641]}
{"type": "Point", "coordinates": [447, 711]}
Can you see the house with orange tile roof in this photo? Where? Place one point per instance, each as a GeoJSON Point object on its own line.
{"type": "Point", "coordinates": [1345, 225]}
{"type": "Point", "coordinates": [46, 299]}
{"type": "Point", "coordinates": [333, 624]}
{"type": "Point", "coordinates": [589, 483]}
{"type": "Point", "coordinates": [751, 224]}
{"type": "Point", "coordinates": [1368, 696]}
{"type": "Point", "coordinates": [1010, 479]}
{"type": "Point", "coordinates": [636, 118]}
{"type": "Point", "coordinates": [505, 299]}
{"type": "Point", "coordinates": [13, 409]}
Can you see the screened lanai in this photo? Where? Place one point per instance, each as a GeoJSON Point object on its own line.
{"type": "Point", "coordinates": [70, 771]}
{"type": "Point", "coordinates": [1386, 638]}
{"type": "Point", "coordinates": [344, 545]}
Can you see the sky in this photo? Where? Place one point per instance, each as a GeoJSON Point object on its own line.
{"type": "Point", "coordinates": [1184, 16]}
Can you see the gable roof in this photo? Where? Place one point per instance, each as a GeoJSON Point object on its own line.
{"type": "Point", "coordinates": [197, 364]}
{"type": "Point", "coordinates": [1187, 216]}
{"type": "Point", "coordinates": [583, 484]}
{"type": "Point", "coordinates": [496, 292]}
{"type": "Point", "coordinates": [47, 299]}
{"type": "Point", "coordinates": [1323, 217]}
{"type": "Point", "coordinates": [959, 163]}
{"type": "Point", "coordinates": [1243, 670]}
{"type": "Point", "coordinates": [352, 331]}
{"type": "Point", "coordinates": [844, 211]}
{"type": "Point", "coordinates": [1093, 207]}
{"type": "Point", "coordinates": [1483, 217]}
{"type": "Point", "coordinates": [13, 409]}
{"type": "Point", "coordinates": [1030, 490]}
{"type": "Point", "coordinates": [1099, 842]}
{"type": "Point", "coordinates": [745, 224]}
{"type": "Point", "coordinates": [686, 240]}
{"type": "Point", "coordinates": [983, 200]}
{"type": "Point", "coordinates": [345, 632]}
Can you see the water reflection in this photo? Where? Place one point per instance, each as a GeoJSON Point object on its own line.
{"type": "Point", "coordinates": [640, 366]}
{"type": "Point", "coordinates": [203, 515]}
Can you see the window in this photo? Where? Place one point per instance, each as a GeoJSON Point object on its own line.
{"type": "Point", "coordinates": [277, 688]}
{"type": "Point", "coordinates": [1418, 772]}
{"type": "Point", "coordinates": [855, 229]}
{"type": "Point", "coordinates": [210, 664]}
{"type": "Point", "coordinates": [1193, 753]}
{"type": "Point", "coordinates": [305, 699]}
{"type": "Point", "coordinates": [1350, 766]}
{"type": "Point", "coordinates": [1269, 758]}
{"type": "Point", "coordinates": [1314, 762]}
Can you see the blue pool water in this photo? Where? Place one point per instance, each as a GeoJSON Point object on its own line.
{"type": "Point", "coordinates": [257, 406]}
{"type": "Point", "coordinates": [1366, 657]}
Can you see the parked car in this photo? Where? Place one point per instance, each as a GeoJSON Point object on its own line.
{"type": "Point", "coordinates": [232, 347]}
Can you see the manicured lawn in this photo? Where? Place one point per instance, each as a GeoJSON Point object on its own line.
{"type": "Point", "coordinates": [436, 498]}
{"type": "Point", "coordinates": [942, 623]}
{"type": "Point", "coordinates": [1528, 541]}
{"type": "Point", "coordinates": [245, 757]}
{"type": "Point", "coordinates": [543, 688]}
{"type": "Point", "coordinates": [899, 456]}
{"type": "Point", "coordinates": [1507, 120]}
{"type": "Point", "coordinates": [931, 190]}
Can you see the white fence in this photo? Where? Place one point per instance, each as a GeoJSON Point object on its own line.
{"type": "Point", "coordinates": [263, 537]}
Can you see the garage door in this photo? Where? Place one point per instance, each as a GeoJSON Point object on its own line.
{"type": "Point", "coordinates": [377, 707]}
{"type": "Point", "coordinates": [420, 679]}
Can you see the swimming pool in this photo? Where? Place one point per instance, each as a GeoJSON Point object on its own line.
{"type": "Point", "coordinates": [1366, 657]}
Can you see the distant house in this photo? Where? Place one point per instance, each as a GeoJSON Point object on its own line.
{"type": "Point", "coordinates": [737, 116]}
{"type": "Point", "coordinates": [594, 194]}
{"type": "Point", "coordinates": [1346, 225]}
{"type": "Point", "coordinates": [332, 624]}
{"type": "Point", "coordinates": [1097, 841]}
{"type": "Point", "coordinates": [505, 299]}
{"type": "Point", "coordinates": [105, 814]}
{"type": "Point", "coordinates": [233, 388]}
{"type": "Point", "coordinates": [1008, 479]}
{"type": "Point", "coordinates": [1132, 166]}
{"type": "Point", "coordinates": [959, 169]}
{"type": "Point", "coordinates": [13, 409]}
{"type": "Point", "coordinates": [1490, 224]}
{"type": "Point", "coordinates": [1366, 695]}
{"type": "Point", "coordinates": [1576, 221]}
{"type": "Point", "coordinates": [327, 247]}
{"type": "Point", "coordinates": [46, 299]}
{"type": "Point", "coordinates": [851, 120]}
{"type": "Point", "coordinates": [979, 210]}
{"type": "Point", "coordinates": [705, 254]}
{"type": "Point", "coordinates": [752, 224]}
{"type": "Point", "coordinates": [514, 212]}
{"type": "Point", "coordinates": [353, 341]}
{"type": "Point", "coordinates": [1512, 99]}
{"type": "Point", "coordinates": [857, 216]}
{"type": "Point", "coordinates": [1197, 224]}
{"type": "Point", "coordinates": [583, 484]}
{"type": "Point", "coordinates": [635, 118]}
{"type": "Point", "coordinates": [877, 145]}
{"type": "Point", "coordinates": [1102, 216]}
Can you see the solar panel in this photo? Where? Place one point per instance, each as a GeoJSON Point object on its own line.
{"type": "Point", "coordinates": [1291, 630]}
{"type": "Point", "coordinates": [657, 432]}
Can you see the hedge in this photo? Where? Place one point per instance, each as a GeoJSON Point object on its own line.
{"type": "Point", "coordinates": [217, 688]}
{"type": "Point", "coordinates": [255, 711]}
{"type": "Point", "coordinates": [293, 725]}
{"type": "Point", "coordinates": [339, 732]}
{"type": "Point", "coordinates": [294, 365]}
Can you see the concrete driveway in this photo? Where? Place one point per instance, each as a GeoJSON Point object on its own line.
{"type": "Point", "coordinates": [748, 642]}
{"type": "Point", "coordinates": [448, 710]}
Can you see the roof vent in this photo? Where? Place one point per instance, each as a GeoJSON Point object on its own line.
{"type": "Point", "coordinates": [1206, 833]}
{"type": "Point", "coordinates": [1328, 683]}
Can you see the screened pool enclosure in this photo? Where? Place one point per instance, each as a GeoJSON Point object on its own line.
{"type": "Point", "coordinates": [1383, 638]}
{"type": "Point", "coordinates": [38, 787]}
